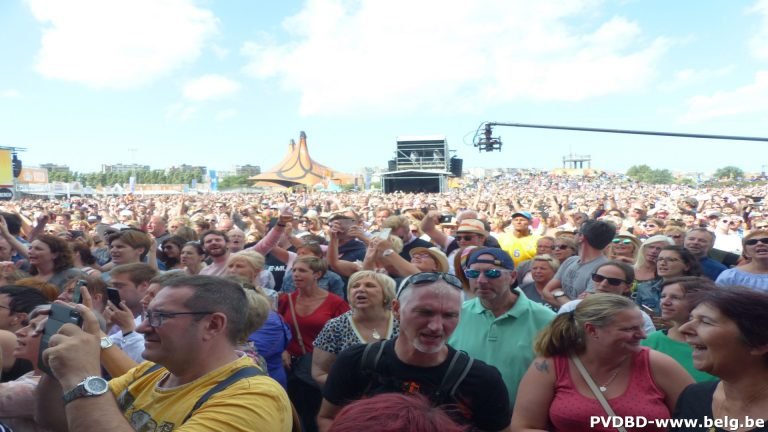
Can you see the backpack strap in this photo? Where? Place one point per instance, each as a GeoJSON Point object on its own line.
{"type": "Point", "coordinates": [245, 372]}
{"type": "Point", "coordinates": [458, 369]}
{"type": "Point", "coordinates": [370, 360]}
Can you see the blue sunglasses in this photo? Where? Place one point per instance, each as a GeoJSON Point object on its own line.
{"type": "Point", "coordinates": [490, 273]}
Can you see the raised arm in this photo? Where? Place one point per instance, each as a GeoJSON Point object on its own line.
{"type": "Point", "coordinates": [429, 227]}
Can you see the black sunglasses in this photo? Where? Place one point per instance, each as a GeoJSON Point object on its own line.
{"type": "Point", "coordinates": [429, 277]}
{"type": "Point", "coordinates": [465, 237]}
{"type": "Point", "coordinates": [752, 242]}
{"type": "Point", "coordinates": [611, 281]}
{"type": "Point", "coordinates": [560, 247]}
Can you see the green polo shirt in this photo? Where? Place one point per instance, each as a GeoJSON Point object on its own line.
{"type": "Point", "coordinates": [505, 342]}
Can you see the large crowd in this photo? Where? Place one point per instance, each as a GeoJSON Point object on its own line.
{"type": "Point", "coordinates": [524, 301]}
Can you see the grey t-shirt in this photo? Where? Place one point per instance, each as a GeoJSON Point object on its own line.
{"type": "Point", "coordinates": [577, 277]}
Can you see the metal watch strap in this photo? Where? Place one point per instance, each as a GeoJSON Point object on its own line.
{"type": "Point", "coordinates": [81, 391]}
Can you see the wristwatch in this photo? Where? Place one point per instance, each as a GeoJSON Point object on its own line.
{"type": "Point", "coordinates": [388, 252]}
{"type": "Point", "coordinates": [89, 387]}
{"type": "Point", "coordinates": [106, 342]}
{"type": "Point", "coordinates": [558, 293]}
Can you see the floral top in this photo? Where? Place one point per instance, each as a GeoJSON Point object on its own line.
{"type": "Point", "coordinates": [341, 333]}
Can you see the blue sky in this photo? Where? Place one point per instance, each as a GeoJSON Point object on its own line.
{"type": "Point", "coordinates": [221, 83]}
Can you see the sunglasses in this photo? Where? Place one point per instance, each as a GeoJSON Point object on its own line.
{"type": "Point", "coordinates": [622, 241]}
{"type": "Point", "coordinates": [429, 277]}
{"type": "Point", "coordinates": [490, 273]}
{"type": "Point", "coordinates": [611, 281]}
{"type": "Point", "coordinates": [560, 247]}
{"type": "Point", "coordinates": [752, 242]}
{"type": "Point", "coordinates": [465, 237]}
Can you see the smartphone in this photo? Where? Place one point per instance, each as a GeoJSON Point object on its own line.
{"type": "Point", "coordinates": [60, 315]}
{"type": "Point", "coordinates": [76, 297]}
{"type": "Point", "coordinates": [384, 234]}
{"type": "Point", "coordinates": [445, 219]}
{"type": "Point", "coordinates": [113, 295]}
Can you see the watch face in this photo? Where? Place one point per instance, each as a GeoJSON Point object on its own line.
{"type": "Point", "coordinates": [96, 385]}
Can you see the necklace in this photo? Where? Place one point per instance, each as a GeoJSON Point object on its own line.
{"type": "Point", "coordinates": [604, 388]}
{"type": "Point", "coordinates": [375, 334]}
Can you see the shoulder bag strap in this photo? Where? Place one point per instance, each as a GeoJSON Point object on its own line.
{"type": "Point", "coordinates": [296, 325]}
{"type": "Point", "coordinates": [596, 391]}
{"type": "Point", "coordinates": [236, 376]}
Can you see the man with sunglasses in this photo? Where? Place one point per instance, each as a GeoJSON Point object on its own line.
{"type": "Point", "coordinates": [500, 324]}
{"type": "Point", "coordinates": [419, 360]}
{"type": "Point", "coordinates": [194, 377]}
{"type": "Point", "coordinates": [575, 274]}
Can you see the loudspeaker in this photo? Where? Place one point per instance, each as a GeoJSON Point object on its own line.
{"type": "Point", "coordinates": [16, 164]}
{"type": "Point", "coordinates": [456, 166]}
{"type": "Point", "coordinates": [391, 165]}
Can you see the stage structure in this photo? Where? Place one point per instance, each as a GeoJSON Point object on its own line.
{"type": "Point", "coordinates": [421, 164]}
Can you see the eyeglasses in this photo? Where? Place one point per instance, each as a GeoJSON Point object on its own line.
{"type": "Point", "coordinates": [752, 242]}
{"type": "Point", "coordinates": [560, 247]}
{"type": "Point", "coordinates": [668, 260]}
{"type": "Point", "coordinates": [622, 241]}
{"type": "Point", "coordinates": [156, 318]}
{"type": "Point", "coordinates": [611, 281]}
{"type": "Point", "coordinates": [429, 277]}
{"type": "Point", "coordinates": [466, 237]}
{"type": "Point", "coordinates": [421, 255]}
{"type": "Point", "coordinates": [490, 273]}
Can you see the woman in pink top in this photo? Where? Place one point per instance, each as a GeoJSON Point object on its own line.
{"type": "Point", "coordinates": [604, 333]}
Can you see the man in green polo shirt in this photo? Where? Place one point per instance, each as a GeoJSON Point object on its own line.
{"type": "Point", "coordinates": [499, 325]}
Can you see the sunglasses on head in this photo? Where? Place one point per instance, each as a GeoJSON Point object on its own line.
{"type": "Point", "coordinates": [752, 242]}
{"type": "Point", "coordinates": [429, 277]}
{"type": "Point", "coordinates": [622, 241]}
{"type": "Point", "coordinates": [611, 281]}
{"type": "Point", "coordinates": [490, 273]}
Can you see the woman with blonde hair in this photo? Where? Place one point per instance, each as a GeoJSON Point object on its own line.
{"type": "Point", "coordinates": [590, 365]}
{"type": "Point", "coordinates": [370, 320]}
{"type": "Point", "coordinates": [250, 265]}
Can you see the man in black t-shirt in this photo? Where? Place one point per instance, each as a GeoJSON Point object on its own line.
{"type": "Point", "coordinates": [420, 361]}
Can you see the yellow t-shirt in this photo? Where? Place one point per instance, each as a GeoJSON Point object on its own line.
{"type": "Point", "coordinates": [250, 404]}
{"type": "Point", "coordinates": [519, 248]}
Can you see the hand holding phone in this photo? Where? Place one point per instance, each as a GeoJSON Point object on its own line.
{"type": "Point", "coordinates": [384, 234]}
{"type": "Point", "coordinates": [60, 314]}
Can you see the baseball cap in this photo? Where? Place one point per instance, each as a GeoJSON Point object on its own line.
{"type": "Point", "coordinates": [523, 214]}
{"type": "Point", "coordinates": [500, 258]}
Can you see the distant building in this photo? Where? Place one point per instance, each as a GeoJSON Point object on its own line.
{"type": "Point", "coordinates": [247, 170]}
{"type": "Point", "coordinates": [184, 168]}
{"type": "Point", "coordinates": [54, 168]}
{"type": "Point", "coordinates": [123, 168]}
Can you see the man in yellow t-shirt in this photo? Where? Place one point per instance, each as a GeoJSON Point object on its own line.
{"type": "Point", "coordinates": [191, 332]}
{"type": "Point", "coordinates": [519, 243]}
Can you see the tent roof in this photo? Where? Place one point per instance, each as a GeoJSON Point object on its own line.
{"type": "Point", "coordinates": [296, 168]}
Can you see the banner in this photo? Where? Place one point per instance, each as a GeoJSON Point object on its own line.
{"type": "Point", "coordinates": [6, 168]}
{"type": "Point", "coordinates": [33, 176]}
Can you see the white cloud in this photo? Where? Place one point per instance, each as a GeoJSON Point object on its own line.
{"type": "Point", "coordinates": [181, 112]}
{"type": "Point", "coordinates": [452, 55]}
{"type": "Point", "coordinates": [209, 87]}
{"type": "Point", "coordinates": [758, 44]}
{"type": "Point", "coordinates": [226, 114]}
{"type": "Point", "coordinates": [688, 77]}
{"type": "Point", "coordinates": [748, 99]}
{"type": "Point", "coordinates": [119, 44]}
{"type": "Point", "coordinates": [9, 94]}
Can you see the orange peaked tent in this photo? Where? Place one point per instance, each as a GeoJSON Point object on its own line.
{"type": "Point", "coordinates": [298, 168]}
